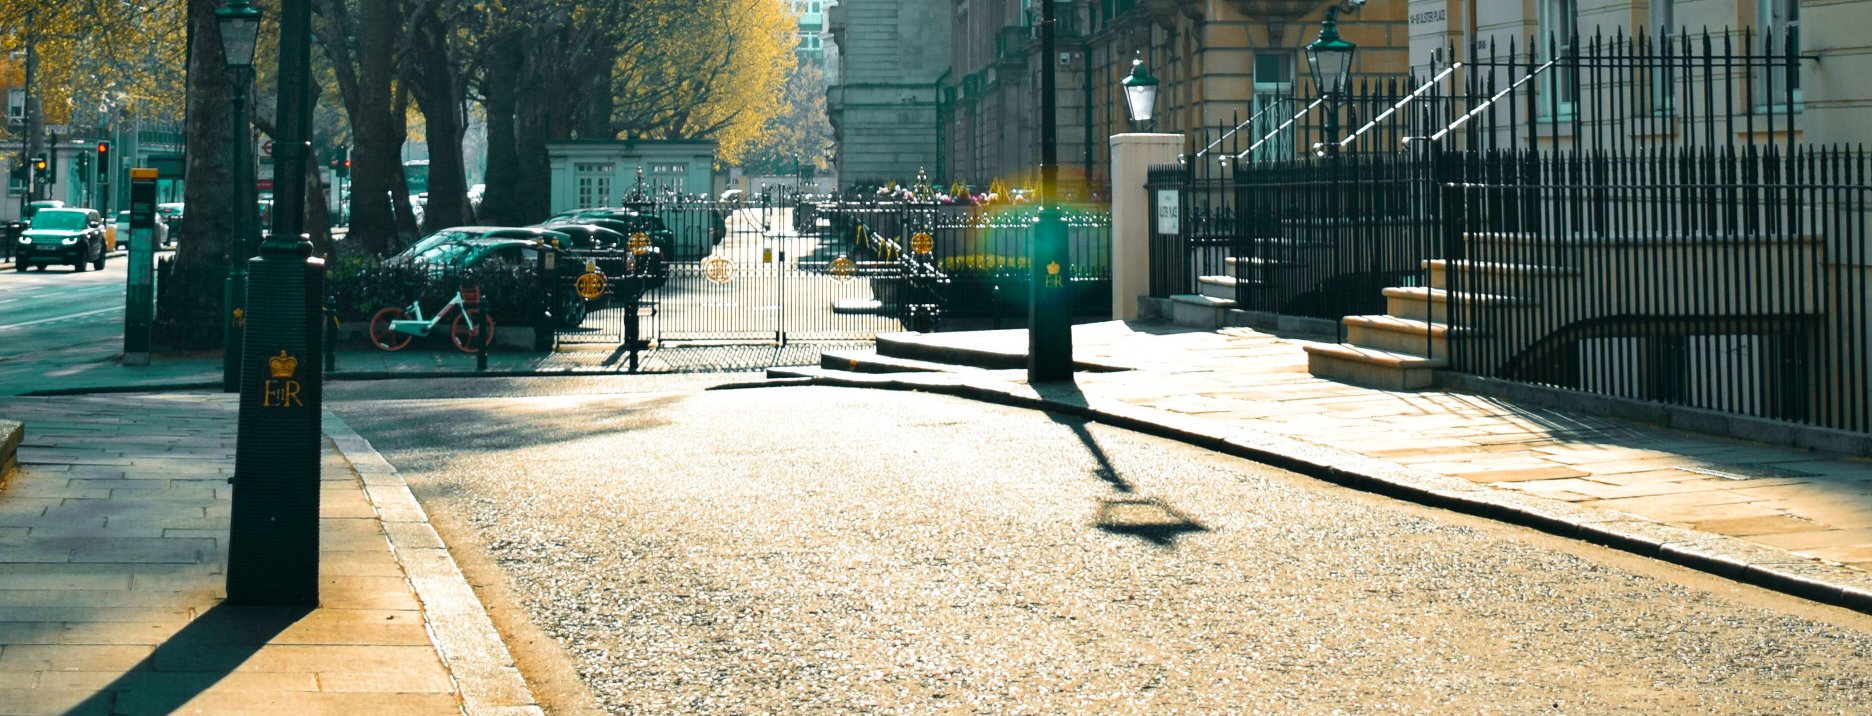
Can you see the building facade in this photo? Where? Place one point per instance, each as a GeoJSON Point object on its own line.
{"type": "Point", "coordinates": [812, 28]}
{"type": "Point", "coordinates": [892, 58]}
{"type": "Point", "coordinates": [1219, 61]}
{"type": "Point", "coordinates": [591, 173]}
{"type": "Point", "coordinates": [1828, 37]}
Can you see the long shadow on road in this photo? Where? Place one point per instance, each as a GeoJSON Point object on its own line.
{"type": "Point", "coordinates": [1130, 513]}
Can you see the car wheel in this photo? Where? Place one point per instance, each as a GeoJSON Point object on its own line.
{"type": "Point", "coordinates": [81, 266]}
{"type": "Point", "coordinates": [20, 266]}
{"type": "Point", "coordinates": [99, 265]}
{"type": "Point", "coordinates": [381, 334]}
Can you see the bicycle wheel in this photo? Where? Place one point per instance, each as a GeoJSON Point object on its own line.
{"type": "Point", "coordinates": [468, 340]}
{"type": "Point", "coordinates": [382, 336]}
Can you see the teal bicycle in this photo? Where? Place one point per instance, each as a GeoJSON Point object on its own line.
{"type": "Point", "coordinates": [392, 328]}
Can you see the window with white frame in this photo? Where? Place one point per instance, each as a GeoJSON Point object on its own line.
{"type": "Point", "coordinates": [593, 180]}
{"type": "Point", "coordinates": [1778, 31]}
{"type": "Point", "coordinates": [1665, 45]}
{"type": "Point", "coordinates": [1273, 92]}
{"type": "Point", "coordinates": [1557, 22]}
{"type": "Point", "coordinates": [16, 105]}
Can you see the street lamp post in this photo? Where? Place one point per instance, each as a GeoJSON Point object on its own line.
{"type": "Point", "coordinates": [239, 23]}
{"type": "Point", "coordinates": [1141, 95]}
{"type": "Point", "coordinates": [1049, 306]}
{"type": "Point", "coordinates": [1329, 59]}
{"type": "Point", "coordinates": [273, 531]}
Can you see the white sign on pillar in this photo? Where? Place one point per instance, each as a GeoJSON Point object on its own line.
{"type": "Point", "coordinates": [1169, 212]}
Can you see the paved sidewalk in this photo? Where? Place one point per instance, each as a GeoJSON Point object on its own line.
{"type": "Point", "coordinates": [1796, 520]}
{"type": "Point", "coordinates": [113, 533]}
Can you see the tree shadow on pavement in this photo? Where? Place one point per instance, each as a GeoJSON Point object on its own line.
{"type": "Point", "coordinates": [192, 661]}
{"type": "Point", "coordinates": [1129, 513]}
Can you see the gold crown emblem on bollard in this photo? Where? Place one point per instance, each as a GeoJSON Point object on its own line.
{"type": "Point", "coordinates": [283, 365]}
{"type": "Point", "coordinates": [1053, 268]}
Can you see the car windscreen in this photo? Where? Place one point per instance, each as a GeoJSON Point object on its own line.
{"type": "Point", "coordinates": [55, 220]}
{"type": "Point", "coordinates": [447, 254]}
{"type": "Point", "coordinates": [436, 239]}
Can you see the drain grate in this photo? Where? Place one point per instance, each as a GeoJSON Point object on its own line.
{"type": "Point", "coordinates": [1745, 471]}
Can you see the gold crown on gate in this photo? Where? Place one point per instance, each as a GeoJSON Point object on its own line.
{"type": "Point", "coordinates": [1053, 268]}
{"type": "Point", "coordinates": [283, 365]}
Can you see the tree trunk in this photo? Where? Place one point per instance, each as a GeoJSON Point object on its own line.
{"type": "Point", "coordinates": [190, 316]}
{"type": "Point", "coordinates": [433, 81]}
{"type": "Point", "coordinates": [365, 83]}
{"type": "Point", "coordinates": [533, 128]}
{"type": "Point", "coordinates": [500, 204]}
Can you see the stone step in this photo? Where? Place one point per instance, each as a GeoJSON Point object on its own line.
{"type": "Point", "coordinates": [1254, 262]}
{"type": "Point", "coordinates": [1373, 368]}
{"type": "Point", "coordinates": [1404, 335]}
{"type": "Point", "coordinates": [1432, 304]}
{"type": "Point", "coordinates": [916, 348]}
{"type": "Point", "coordinates": [1439, 270]}
{"type": "Point", "coordinates": [865, 362]}
{"type": "Point", "coordinates": [1224, 287]}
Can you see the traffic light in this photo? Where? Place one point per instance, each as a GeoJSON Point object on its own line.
{"type": "Point", "coordinates": [39, 164]}
{"type": "Point", "coordinates": [103, 162]}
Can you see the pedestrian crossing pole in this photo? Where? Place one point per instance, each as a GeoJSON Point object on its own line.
{"type": "Point", "coordinates": [1049, 310]}
{"type": "Point", "coordinates": [140, 289]}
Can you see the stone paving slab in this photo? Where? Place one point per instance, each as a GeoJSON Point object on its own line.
{"type": "Point", "coordinates": [1749, 506]}
{"type": "Point", "coordinates": [112, 575]}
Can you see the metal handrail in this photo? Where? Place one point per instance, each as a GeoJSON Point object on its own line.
{"type": "Point", "coordinates": [1282, 128]}
{"type": "Point", "coordinates": [1238, 127]}
{"type": "Point", "coordinates": [1490, 102]}
{"type": "Point", "coordinates": [1447, 71]}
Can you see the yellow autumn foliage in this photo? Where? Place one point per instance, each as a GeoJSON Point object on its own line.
{"type": "Point", "coordinates": [95, 56]}
{"type": "Point", "coordinates": [705, 69]}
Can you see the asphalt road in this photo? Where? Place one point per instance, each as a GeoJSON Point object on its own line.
{"type": "Point", "coordinates": [58, 316]}
{"type": "Point", "coordinates": [816, 550]}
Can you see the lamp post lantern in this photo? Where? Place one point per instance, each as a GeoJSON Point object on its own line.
{"type": "Point", "coordinates": [1141, 95]}
{"type": "Point", "coordinates": [1329, 59]}
{"type": "Point", "coordinates": [239, 23]}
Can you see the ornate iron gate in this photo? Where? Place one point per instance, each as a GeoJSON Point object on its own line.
{"type": "Point", "coordinates": [742, 286]}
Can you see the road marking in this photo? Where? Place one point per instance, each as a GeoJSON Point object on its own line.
{"type": "Point", "coordinates": [15, 326]}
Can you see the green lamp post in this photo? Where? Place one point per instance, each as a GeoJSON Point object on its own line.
{"type": "Point", "coordinates": [1141, 95]}
{"type": "Point", "coordinates": [1049, 309]}
{"type": "Point", "coordinates": [1329, 59]}
{"type": "Point", "coordinates": [273, 530]}
{"type": "Point", "coordinates": [239, 23]}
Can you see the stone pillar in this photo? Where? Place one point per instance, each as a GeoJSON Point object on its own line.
{"type": "Point", "coordinates": [1131, 158]}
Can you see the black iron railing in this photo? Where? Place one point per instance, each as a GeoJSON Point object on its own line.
{"type": "Point", "coordinates": [1631, 216]}
{"type": "Point", "coordinates": [976, 262]}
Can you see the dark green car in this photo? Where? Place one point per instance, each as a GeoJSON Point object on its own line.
{"type": "Point", "coordinates": [61, 236]}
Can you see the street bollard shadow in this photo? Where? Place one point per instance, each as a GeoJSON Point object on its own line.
{"type": "Point", "coordinates": [192, 660]}
{"type": "Point", "coordinates": [1130, 514]}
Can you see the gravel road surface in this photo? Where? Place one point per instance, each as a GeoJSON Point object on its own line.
{"type": "Point", "coordinates": [817, 550]}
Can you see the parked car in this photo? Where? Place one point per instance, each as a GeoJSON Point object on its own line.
{"type": "Point", "coordinates": [62, 236]}
{"type": "Point", "coordinates": [121, 229]}
{"type": "Point", "coordinates": [592, 237]}
{"type": "Point", "coordinates": [171, 214]}
{"type": "Point", "coordinates": [443, 236]}
{"type": "Point", "coordinates": [457, 256]}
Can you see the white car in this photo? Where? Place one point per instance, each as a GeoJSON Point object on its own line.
{"type": "Point", "coordinates": [123, 229]}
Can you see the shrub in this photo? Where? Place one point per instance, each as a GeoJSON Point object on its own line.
{"type": "Point", "coordinates": [361, 286]}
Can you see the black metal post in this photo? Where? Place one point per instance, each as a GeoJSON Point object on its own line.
{"type": "Point", "coordinates": [273, 532]}
{"type": "Point", "coordinates": [484, 337]}
{"type": "Point", "coordinates": [240, 249]}
{"type": "Point", "coordinates": [1049, 311]}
